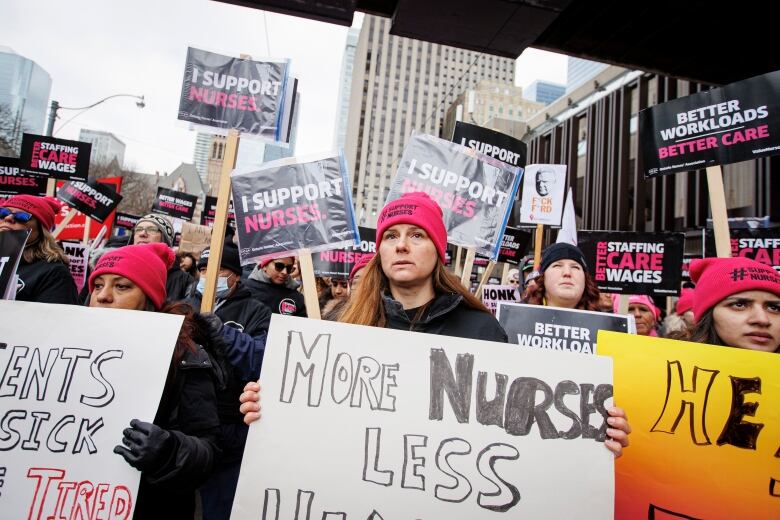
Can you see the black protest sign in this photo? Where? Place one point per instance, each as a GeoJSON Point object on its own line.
{"type": "Point", "coordinates": [209, 213]}
{"type": "Point", "coordinates": [733, 123]}
{"type": "Point", "coordinates": [58, 158]}
{"type": "Point", "coordinates": [474, 191]}
{"type": "Point", "coordinates": [553, 328]}
{"type": "Point", "coordinates": [338, 263]}
{"type": "Point", "coordinates": [14, 182]}
{"type": "Point", "coordinates": [11, 247]}
{"type": "Point", "coordinates": [514, 245]}
{"type": "Point", "coordinates": [126, 220]}
{"type": "Point", "coordinates": [491, 143]}
{"type": "Point", "coordinates": [761, 245]}
{"type": "Point", "coordinates": [233, 93]}
{"type": "Point", "coordinates": [626, 262]}
{"type": "Point", "coordinates": [177, 204]}
{"type": "Point", "coordinates": [293, 204]}
{"type": "Point", "coordinates": [95, 199]}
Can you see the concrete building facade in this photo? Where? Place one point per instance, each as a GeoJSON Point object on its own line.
{"type": "Point", "coordinates": [105, 146]}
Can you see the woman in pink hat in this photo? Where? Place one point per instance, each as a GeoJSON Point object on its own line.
{"type": "Point", "coordinates": [43, 272]}
{"type": "Point", "coordinates": [645, 313]}
{"type": "Point", "coordinates": [176, 451]}
{"type": "Point", "coordinates": [736, 303]}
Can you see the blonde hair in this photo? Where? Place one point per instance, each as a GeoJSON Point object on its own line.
{"type": "Point", "coordinates": [366, 305]}
{"type": "Point", "coordinates": [44, 248]}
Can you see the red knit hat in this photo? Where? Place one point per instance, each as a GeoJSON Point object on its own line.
{"type": "Point", "coordinates": [364, 260]}
{"type": "Point", "coordinates": [685, 302]}
{"type": "Point", "coordinates": [43, 209]}
{"type": "Point", "coordinates": [417, 209]}
{"type": "Point", "coordinates": [146, 265]}
{"type": "Point", "coordinates": [719, 278]}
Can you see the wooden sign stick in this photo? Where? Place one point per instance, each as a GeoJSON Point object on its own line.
{"type": "Point", "coordinates": [68, 217]}
{"type": "Point", "coordinates": [622, 304]}
{"type": "Point", "coordinates": [458, 266]}
{"type": "Point", "coordinates": [467, 265]}
{"type": "Point", "coordinates": [505, 274]}
{"type": "Point", "coordinates": [720, 221]}
{"type": "Point", "coordinates": [485, 278]}
{"type": "Point", "coordinates": [51, 185]}
{"type": "Point", "coordinates": [87, 229]}
{"type": "Point", "coordinates": [309, 284]}
{"type": "Point", "coordinates": [538, 245]}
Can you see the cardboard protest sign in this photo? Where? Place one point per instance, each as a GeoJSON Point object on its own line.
{"type": "Point", "coordinates": [95, 199]}
{"type": "Point", "coordinates": [493, 294]}
{"type": "Point", "coordinates": [70, 386]}
{"type": "Point", "coordinates": [226, 93]}
{"type": "Point", "coordinates": [626, 262]}
{"type": "Point", "coordinates": [176, 204]}
{"type": "Point", "coordinates": [761, 245]}
{"type": "Point", "coordinates": [126, 221]}
{"type": "Point", "coordinates": [475, 192]}
{"type": "Point", "coordinates": [706, 429]}
{"type": "Point", "coordinates": [194, 238]}
{"type": "Point", "coordinates": [11, 248]}
{"type": "Point", "coordinates": [57, 158]}
{"type": "Point", "coordinates": [338, 263]}
{"type": "Point", "coordinates": [209, 212]}
{"type": "Point", "coordinates": [78, 254]}
{"type": "Point", "coordinates": [491, 143]}
{"type": "Point", "coordinates": [292, 204]}
{"type": "Point", "coordinates": [365, 422]}
{"type": "Point", "coordinates": [74, 230]}
{"type": "Point", "coordinates": [14, 182]}
{"type": "Point", "coordinates": [554, 328]}
{"type": "Point", "coordinates": [733, 123]}
{"type": "Point", "coordinates": [544, 188]}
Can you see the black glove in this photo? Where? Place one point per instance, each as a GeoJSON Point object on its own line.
{"type": "Point", "coordinates": [213, 320]}
{"type": "Point", "coordinates": [147, 445]}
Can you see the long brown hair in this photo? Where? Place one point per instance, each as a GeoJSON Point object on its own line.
{"type": "Point", "coordinates": [366, 304]}
{"type": "Point", "coordinates": [44, 248]}
{"type": "Point", "coordinates": [535, 294]}
{"type": "Point", "coordinates": [188, 335]}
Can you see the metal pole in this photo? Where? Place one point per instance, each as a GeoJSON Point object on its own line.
{"type": "Point", "coordinates": [55, 106]}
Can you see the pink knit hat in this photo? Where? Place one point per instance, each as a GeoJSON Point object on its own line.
{"type": "Point", "coordinates": [641, 299]}
{"type": "Point", "coordinates": [146, 265]}
{"type": "Point", "coordinates": [719, 278]}
{"type": "Point", "coordinates": [417, 209]}
{"type": "Point", "coordinates": [44, 209]}
{"type": "Point", "coordinates": [685, 302]}
{"type": "Point", "coordinates": [364, 260]}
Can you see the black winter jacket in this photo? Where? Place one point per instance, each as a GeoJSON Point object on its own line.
{"type": "Point", "coordinates": [177, 284]}
{"type": "Point", "coordinates": [241, 310]}
{"type": "Point", "coordinates": [188, 411]}
{"type": "Point", "coordinates": [279, 298]}
{"type": "Point", "coordinates": [447, 315]}
{"type": "Point", "coordinates": [46, 282]}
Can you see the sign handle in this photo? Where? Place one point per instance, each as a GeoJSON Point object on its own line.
{"type": "Point", "coordinates": [220, 222]}
{"type": "Point", "coordinates": [622, 304]}
{"type": "Point", "coordinates": [458, 266]}
{"type": "Point", "coordinates": [467, 265]}
{"type": "Point", "coordinates": [68, 217]}
{"type": "Point", "coordinates": [309, 284]}
{"type": "Point", "coordinates": [51, 184]}
{"type": "Point", "coordinates": [87, 229]}
{"type": "Point", "coordinates": [720, 221]}
{"type": "Point", "coordinates": [485, 278]}
{"type": "Point", "coordinates": [538, 245]}
{"type": "Point", "coordinates": [505, 274]}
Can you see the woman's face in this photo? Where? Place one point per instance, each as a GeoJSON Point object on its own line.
{"type": "Point", "coordinates": [408, 255]}
{"type": "Point", "coordinates": [749, 319]}
{"type": "Point", "coordinates": [564, 283]}
{"type": "Point", "coordinates": [117, 292]}
{"type": "Point", "coordinates": [644, 318]}
{"type": "Point", "coordinates": [186, 263]}
{"type": "Point", "coordinates": [9, 222]}
{"type": "Point", "coordinates": [339, 288]}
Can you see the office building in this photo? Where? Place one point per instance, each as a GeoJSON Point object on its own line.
{"type": "Point", "coordinates": [105, 146]}
{"type": "Point", "coordinates": [544, 92]}
{"type": "Point", "coordinates": [24, 99]}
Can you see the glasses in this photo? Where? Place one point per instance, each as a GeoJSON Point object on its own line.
{"type": "Point", "coordinates": [20, 216]}
{"type": "Point", "coordinates": [279, 266]}
{"type": "Point", "coordinates": [149, 230]}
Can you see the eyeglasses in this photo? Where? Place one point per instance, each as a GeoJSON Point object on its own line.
{"type": "Point", "coordinates": [20, 216]}
{"type": "Point", "coordinates": [149, 230]}
{"type": "Point", "coordinates": [279, 266]}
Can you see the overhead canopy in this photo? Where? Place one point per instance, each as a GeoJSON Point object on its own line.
{"type": "Point", "coordinates": [696, 40]}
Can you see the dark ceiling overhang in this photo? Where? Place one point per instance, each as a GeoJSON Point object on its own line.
{"type": "Point", "coordinates": [695, 40]}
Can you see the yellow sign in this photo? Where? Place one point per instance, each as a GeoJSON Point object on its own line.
{"type": "Point", "coordinates": [705, 421]}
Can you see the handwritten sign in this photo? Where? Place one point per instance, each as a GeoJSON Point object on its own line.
{"type": "Point", "coordinates": [543, 194]}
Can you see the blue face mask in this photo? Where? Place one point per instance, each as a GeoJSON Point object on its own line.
{"type": "Point", "coordinates": [222, 286]}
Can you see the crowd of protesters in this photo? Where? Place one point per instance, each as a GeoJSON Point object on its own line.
{"type": "Point", "coordinates": [196, 440]}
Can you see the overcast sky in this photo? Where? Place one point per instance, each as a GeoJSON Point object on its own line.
{"type": "Point", "coordinates": [96, 48]}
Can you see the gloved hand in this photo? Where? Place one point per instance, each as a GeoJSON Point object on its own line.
{"type": "Point", "coordinates": [146, 445]}
{"type": "Point", "coordinates": [213, 320]}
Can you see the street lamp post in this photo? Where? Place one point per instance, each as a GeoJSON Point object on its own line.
{"type": "Point", "coordinates": [55, 107]}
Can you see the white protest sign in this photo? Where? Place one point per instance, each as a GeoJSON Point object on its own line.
{"type": "Point", "coordinates": [493, 294]}
{"type": "Point", "coordinates": [71, 379]}
{"type": "Point", "coordinates": [363, 422]}
{"type": "Point", "coordinates": [78, 254]}
{"type": "Point", "coordinates": [544, 186]}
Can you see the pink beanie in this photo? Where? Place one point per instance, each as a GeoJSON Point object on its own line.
{"type": "Point", "coordinates": [44, 209]}
{"type": "Point", "coordinates": [364, 260]}
{"type": "Point", "coordinates": [417, 209]}
{"type": "Point", "coordinates": [146, 265]}
{"type": "Point", "coordinates": [685, 302]}
{"type": "Point", "coordinates": [641, 299]}
{"type": "Point", "coordinates": [719, 278]}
